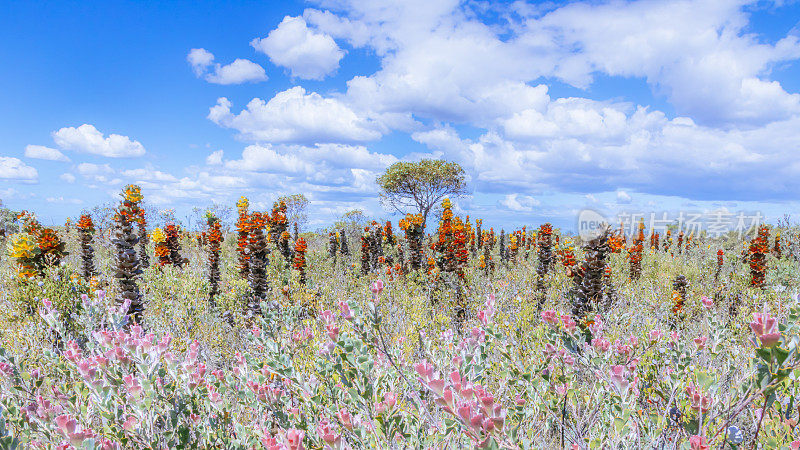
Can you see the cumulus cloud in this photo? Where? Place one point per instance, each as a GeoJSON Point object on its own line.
{"type": "Point", "coordinates": [42, 152]}
{"type": "Point", "coordinates": [98, 173]}
{"type": "Point", "coordinates": [306, 53]}
{"type": "Point", "coordinates": [88, 139]}
{"type": "Point", "coordinates": [699, 54]}
{"type": "Point", "coordinates": [520, 203]}
{"type": "Point", "coordinates": [238, 72]}
{"type": "Point", "coordinates": [15, 169]}
{"type": "Point", "coordinates": [323, 163]}
{"type": "Point", "coordinates": [473, 87]}
{"type": "Point", "coordinates": [68, 177]}
{"type": "Point", "coordinates": [61, 199]}
{"type": "Point", "coordinates": [214, 158]}
{"type": "Point", "coordinates": [296, 116]}
{"type": "Point", "coordinates": [148, 174]}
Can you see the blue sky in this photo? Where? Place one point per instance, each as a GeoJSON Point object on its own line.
{"type": "Point", "coordinates": [643, 106]}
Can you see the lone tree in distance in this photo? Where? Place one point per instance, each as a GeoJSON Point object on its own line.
{"type": "Point", "coordinates": [421, 185]}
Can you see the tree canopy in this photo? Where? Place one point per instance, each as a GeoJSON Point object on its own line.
{"type": "Point", "coordinates": [421, 185]}
{"type": "Point", "coordinates": [295, 208]}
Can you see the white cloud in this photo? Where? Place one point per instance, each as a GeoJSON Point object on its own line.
{"type": "Point", "coordinates": [15, 169]}
{"type": "Point", "coordinates": [307, 54]}
{"type": "Point", "coordinates": [295, 116]}
{"type": "Point", "coordinates": [472, 86]}
{"type": "Point", "coordinates": [317, 162]}
{"type": "Point", "coordinates": [61, 199]}
{"type": "Point", "coordinates": [68, 177]}
{"type": "Point", "coordinates": [519, 203]}
{"type": "Point", "coordinates": [42, 152]}
{"type": "Point", "coordinates": [148, 174]}
{"type": "Point", "coordinates": [100, 173]}
{"type": "Point", "coordinates": [87, 139]}
{"type": "Point", "coordinates": [238, 72]}
{"type": "Point", "coordinates": [699, 54]}
{"type": "Point", "coordinates": [200, 60]}
{"type": "Point", "coordinates": [215, 158]}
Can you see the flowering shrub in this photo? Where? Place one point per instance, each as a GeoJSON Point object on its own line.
{"type": "Point", "coordinates": [527, 354]}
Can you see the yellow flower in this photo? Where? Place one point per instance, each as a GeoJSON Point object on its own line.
{"type": "Point", "coordinates": [158, 236]}
{"type": "Point", "coordinates": [133, 193]}
{"type": "Point", "coordinates": [243, 203]}
{"type": "Point", "coordinates": [22, 245]}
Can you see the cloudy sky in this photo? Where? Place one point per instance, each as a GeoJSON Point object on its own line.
{"type": "Point", "coordinates": [550, 107]}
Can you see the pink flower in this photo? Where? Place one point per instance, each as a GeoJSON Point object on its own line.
{"type": "Point", "coordinates": [700, 342]}
{"type": "Point", "coordinates": [346, 314]}
{"type": "Point", "coordinates": [765, 328]}
{"type": "Point", "coordinates": [596, 327]}
{"type": "Point", "coordinates": [437, 386]}
{"type": "Point", "coordinates": [333, 332]}
{"type": "Point", "coordinates": [326, 432]}
{"type": "Point", "coordinates": [345, 418]}
{"type": "Point", "coordinates": [795, 445]}
{"type": "Point", "coordinates": [425, 370]}
{"type": "Point", "coordinates": [601, 344]}
{"type": "Point", "coordinates": [295, 439]}
{"type": "Point", "coordinates": [69, 428]}
{"type": "Point", "coordinates": [327, 317]}
{"type": "Point", "coordinates": [707, 302]}
{"type": "Point", "coordinates": [376, 287]}
{"type": "Point", "coordinates": [655, 335]}
{"type": "Point", "coordinates": [390, 398]}
{"type": "Point", "coordinates": [213, 395]}
{"type": "Point", "coordinates": [66, 424]}
{"type": "Point", "coordinates": [698, 443]}
{"type": "Point", "coordinates": [132, 385]}
{"type": "Point", "coordinates": [130, 423]}
{"type": "Point", "coordinates": [619, 378]}
{"type": "Point", "coordinates": [485, 315]}
{"type": "Point", "coordinates": [699, 401]}
{"type": "Point", "coordinates": [550, 317]}
{"type": "Point", "coordinates": [569, 324]}
{"type": "Point", "coordinates": [6, 369]}
{"type": "Point", "coordinates": [447, 400]}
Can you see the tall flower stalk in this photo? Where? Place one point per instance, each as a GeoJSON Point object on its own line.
{"type": "Point", "coordinates": [299, 263]}
{"type": "Point", "coordinates": [128, 268]}
{"type": "Point", "coordinates": [174, 245]}
{"type": "Point", "coordinates": [86, 232]}
{"type": "Point", "coordinates": [635, 253]}
{"type": "Point", "coordinates": [759, 247]}
{"type": "Point", "coordinates": [412, 225]}
{"type": "Point", "coordinates": [242, 231]}
{"type": "Point", "coordinates": [213, 239]}
{"type": "Point", "coordinates": [257, 243]}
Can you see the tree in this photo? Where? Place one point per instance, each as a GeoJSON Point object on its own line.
{"type": "Point", "coordinates": [295, 208]}
{"type": "Point", "coordinates": [421, 185]}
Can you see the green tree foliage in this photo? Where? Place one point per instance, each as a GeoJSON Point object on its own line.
{"type": "Point", "coordinates": [421, 185]}
{"type": "Point", "coordinates": [296, 205]}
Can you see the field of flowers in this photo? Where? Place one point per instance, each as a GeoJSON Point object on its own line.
{"type": "Point", "coordinates": [131, 336]}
